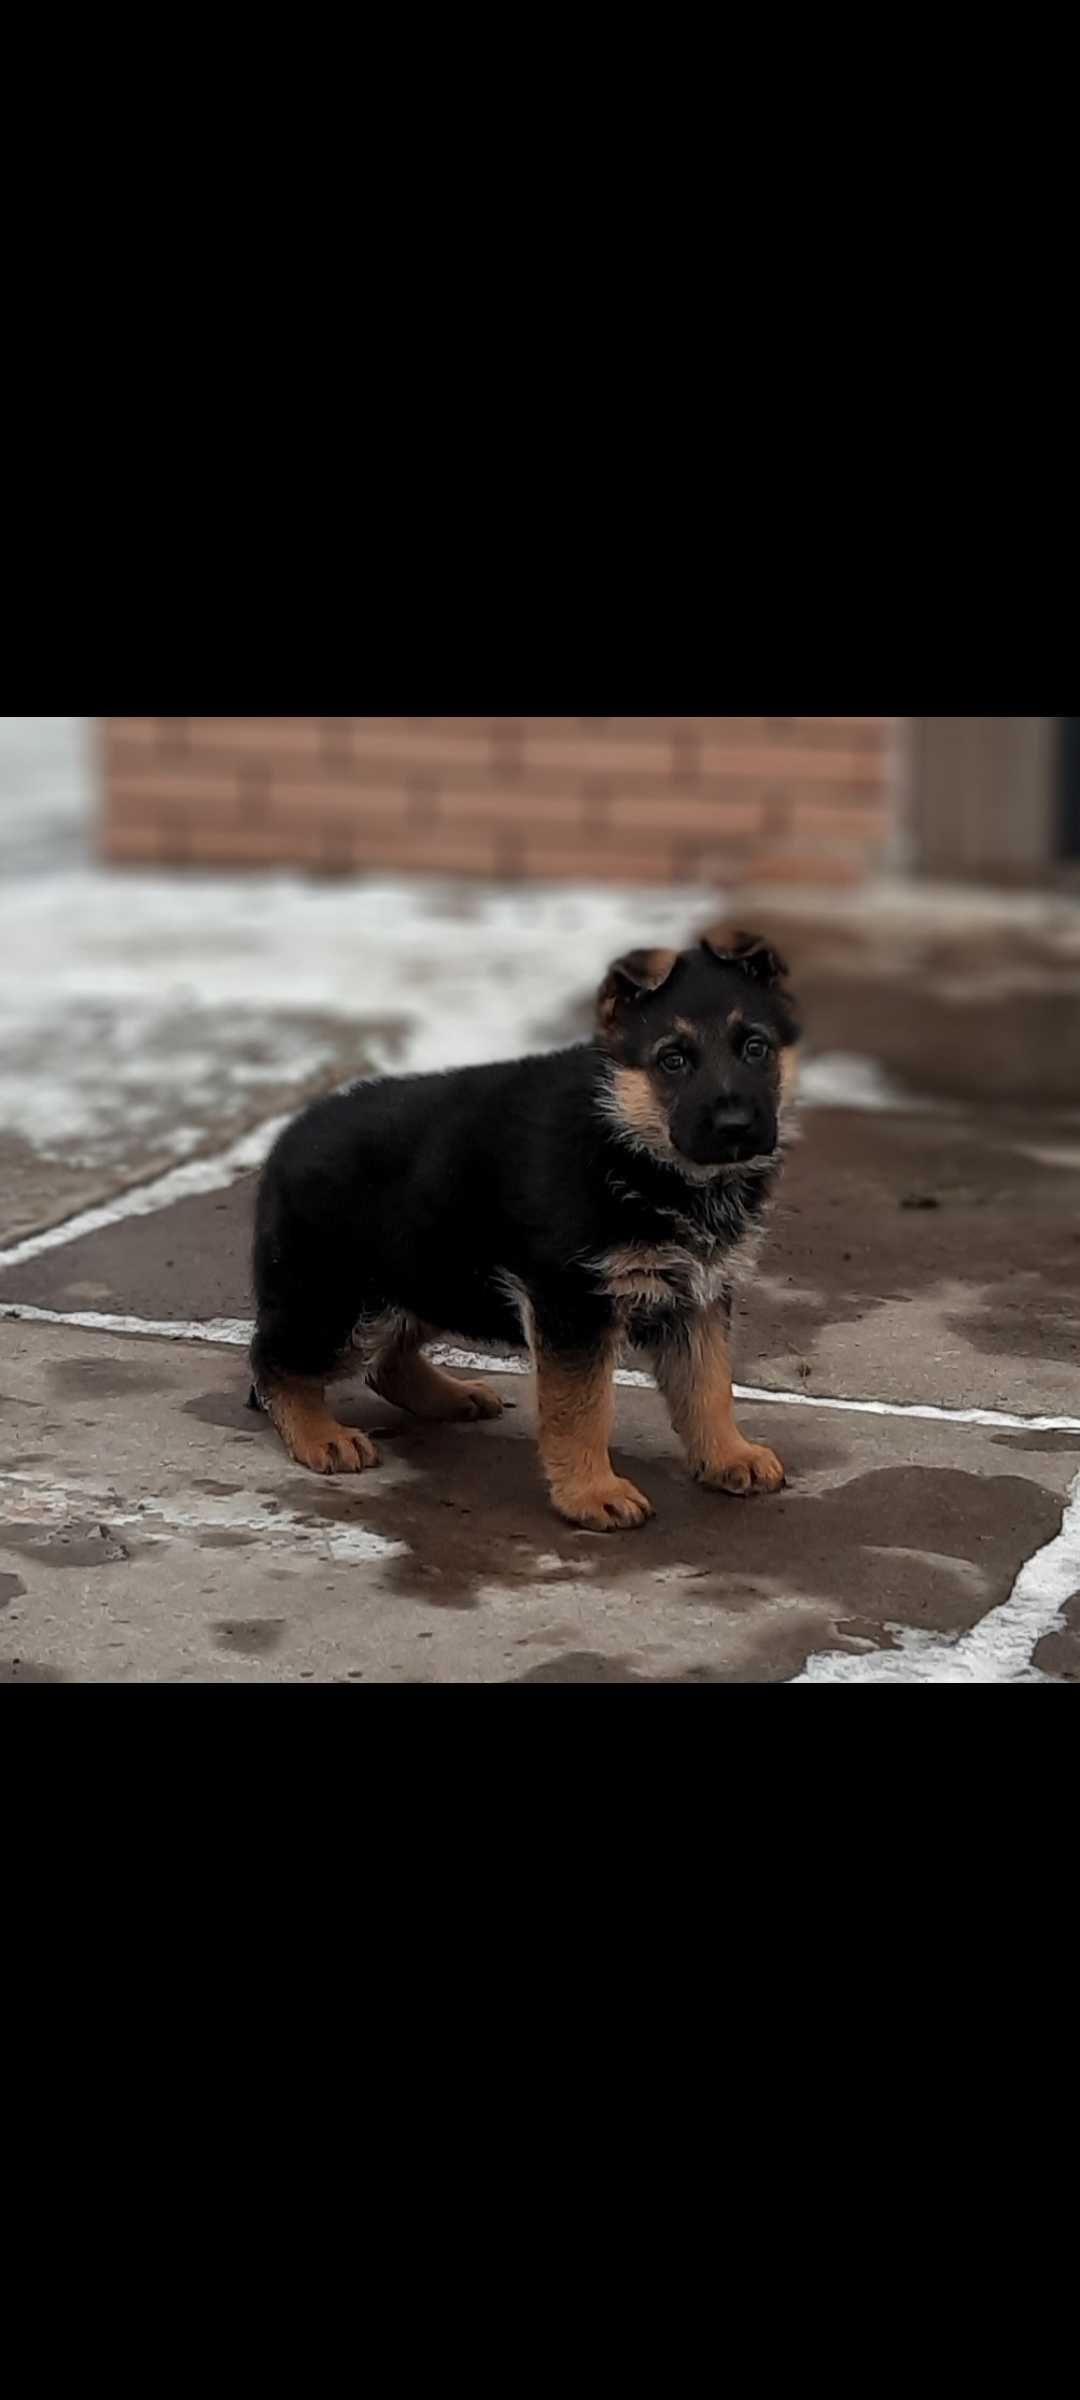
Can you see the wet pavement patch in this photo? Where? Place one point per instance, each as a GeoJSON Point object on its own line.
{"type": "Point", "coordinates": [1059, 1653]}
{"type": "Point", "coordinates": [932, 1547]}
{"type": "Point", "coordinates": [26, 1670]}
{"type": "Point", "coordinates": [253, 1637]}
{"type": "Point", "coordinates": [841, 1242]}
{"type": "Point", "coordinates": [863, 1634]}
{"type": "Point", "coordinates": [226, 1406]}
{"type": "Point", "coordinates": [591, 1666]}
{"type": "Point", "coordinates": [76, 1544]}
{"type": "Point", "coordinates": [1046, 1444]}
{"type": "Point", "coordinates": [581, 1666]}
{"type": "Point", "coordinates": [99, 1378]}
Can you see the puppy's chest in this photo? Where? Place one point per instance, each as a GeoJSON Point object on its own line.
{"type": "Point", "coordinates": [692, 1272]}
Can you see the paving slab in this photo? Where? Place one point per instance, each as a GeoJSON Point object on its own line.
{"type": "Point", "coordinates": [152, 1529]}
{"type": "Point", "coordinates": [911, 1257]}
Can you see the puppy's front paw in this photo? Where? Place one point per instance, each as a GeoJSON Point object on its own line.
{"type": "Point", "coordinates": [610, 1506]}
{"type": "Point", "coordinates": [339, 1450]}
{"type": "Point", "coordinates": [750, 1468]}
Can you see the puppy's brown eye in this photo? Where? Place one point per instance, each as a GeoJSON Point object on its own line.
{"type": "Point", "coordinates": [672, 1061]}
{"type": "Point", "coordinates": [756, 1049]}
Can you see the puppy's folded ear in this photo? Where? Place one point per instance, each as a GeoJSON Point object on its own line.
{"type": "Point", "coordinates": [748, 951]}
{"type": "Point", "coordinates": [633, 978]}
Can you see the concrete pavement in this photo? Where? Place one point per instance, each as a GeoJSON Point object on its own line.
{"type": "Point", "coordinates": [152, 1529]}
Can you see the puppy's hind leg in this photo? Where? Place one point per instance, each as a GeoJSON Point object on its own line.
{"type": "Point", "coordinates": [403, 1374]}
{"type": "Point", "coordinates": [296, 1405]}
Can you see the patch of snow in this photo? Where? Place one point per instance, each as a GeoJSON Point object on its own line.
{"type": "Point", "coordinates": [1065, 1155]}
{"type": "Point", "coordinates": [139, 1005]}
{"type": "Point", "coordinates": [79, 1079]}
{"type": "Point", "coordinates": [352, 1545]}
{"type": "Point", "coordinates": [226, 1332]}
{"type": "Point", "coordinates": [845, 1079]}
{"type": "Point", "coordinates": [35, 1500]}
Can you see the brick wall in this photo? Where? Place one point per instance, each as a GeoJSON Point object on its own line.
{"type": "Point", "coordinates": [729, 799]}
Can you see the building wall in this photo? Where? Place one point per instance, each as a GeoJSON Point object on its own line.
{"type": "Point", "coordinates": [785, 799]}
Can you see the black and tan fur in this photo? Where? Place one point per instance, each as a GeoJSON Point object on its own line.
{"type": "Point", "coordinates": [599, 1200]}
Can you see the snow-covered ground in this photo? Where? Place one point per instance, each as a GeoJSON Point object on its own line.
{"type": "Point", "coordinates": [137, 1009]}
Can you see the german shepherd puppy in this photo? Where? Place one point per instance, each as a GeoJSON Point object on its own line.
{"type": "Point", "coordinates": [602, 1197]}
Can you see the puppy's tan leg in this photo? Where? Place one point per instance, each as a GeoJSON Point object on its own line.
{"type": "Point", "coordinates": [693, 1370]}
{"type": "Point", "coordinates": [576, 1407]}
{"type": "Point", "coordinates": [413, 1381]}
{"type": "Point", "coordinates": [296, 1405]}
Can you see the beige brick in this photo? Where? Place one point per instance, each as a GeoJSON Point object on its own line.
{"type": "Point", "coordinates": [353, 725]}
{"type": "Point", "coordinates": [133, 838]}
{"type": "Point", "coordinates": [682, 729]}
{"type": "Point", "coordinates": [633, 728]}
{"type": "Point", "coordinates": [336, 798]}
{"type": "Point", "coordinates": [512, 805]}
{"type": "Point", "coordinates": [598, 862]}
{"type": "Point", "coordinates": [258, 738]}
{"type": "Point", "coordinates": [298, 845]}
{"type": "Point", "coordinates": [418, 746]}
{"type": "Point", "coordinates": [635, 799]}
{"type": "Point", "coordinates": [774, 762]}
{"type": "Point", "coordinates": [125, 733]}
{"type": "Point", "coordinates": [848, 737]}
{"type": "Point", "coordinates": [429, 853]}
{"type": "Point", "coordinates": [844, 733]}
{"type": "Point", "coordinates": [476, 725]}
{"type": "Point", "coordinates": [809, 867]}
{"type": "Point", "coordinates": [130, 799]}
{"type": "Point", "coordinates": [598, 753]}
{"type": "Point", "coordinates": [826, 726]}
{"type": "Point", "coordinates": [503, 774]}
{"type": "Point", "coordinates": [177, 788]}
{"type": "Point", "coordinates": [569, 728]}
{"type": "Point", "coordinates": [675, 810]}
{"type": "Point", "coordinates": [867, 821]}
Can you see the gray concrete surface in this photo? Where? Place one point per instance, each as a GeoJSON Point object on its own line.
{"type": "Point", "coordinates": [151, 1529]}
{"type": "Point", "coordinates": [925, 1251]}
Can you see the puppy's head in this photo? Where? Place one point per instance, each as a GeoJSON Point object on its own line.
{"type": "Point", "coordinates": [702, 1049]}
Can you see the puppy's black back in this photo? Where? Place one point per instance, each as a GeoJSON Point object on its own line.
{"type": "Point", "coordinates": [409, 1193]}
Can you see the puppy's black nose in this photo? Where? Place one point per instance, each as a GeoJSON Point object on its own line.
{"type": "Point", "coordinates": [731, 1119]}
